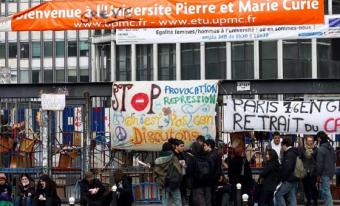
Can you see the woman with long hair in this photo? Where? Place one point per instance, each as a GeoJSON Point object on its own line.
{"type": "Point", "coordinates": [46, 194]}
{"type": "Point", "coordinates": [269, 178]}
{"type": "Point", "coordinates": [25, 191]}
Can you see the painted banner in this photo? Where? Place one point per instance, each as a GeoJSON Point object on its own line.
{"type": "Point", "coordinates": [117, 14]}
{"type": "Point", "coordinates": [282, 116]}
{"type": "Point", "coordinates": [147, 114]}
{"type": "Point", "coordinates": [330, 29]}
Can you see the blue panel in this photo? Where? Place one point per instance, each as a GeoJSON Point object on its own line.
{"type": "Point", "coordinates": [20, 114]}
{"type": "Point", "coordinates": [68, 129]}
{"type": "Point", "coordinates": [98, 119]}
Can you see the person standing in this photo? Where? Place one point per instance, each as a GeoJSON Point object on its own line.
{"type": "Point", "coordinates": [269, 178]}
{"type": "Point", "coordinates": [289, 182]}
{"type": "Point", "coordinates": [170, 186]}
{"type": "Point", "coordinates": [309, 162]}
{"type": "Point", "coordinates": [275, 144]}
{"type": "Point", "coordinates": [325, 162]}
{"type": "Point", "coordinates": [124, 188]}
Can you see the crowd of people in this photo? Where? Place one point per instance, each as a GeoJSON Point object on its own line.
{"type": "Point", "coordinates": [203, 176]}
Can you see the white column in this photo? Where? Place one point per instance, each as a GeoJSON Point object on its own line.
{"type": "Point", "coordinates": [155, 61]}
{"type": "Point", "coordinates": [228, 47]}
{"type": "Point", "coordinates": [94, 60]}
{"type": "Point", "coordinates": [314, 59]}
{"type": "Point", "coordinates": [113, 61]}
{"type": "Point", "coordinates": [133, 62]}
{"type": "Point", "coordinates": [280, 64]}
{"type": "Point", "coordinates": [202, 66]}
{"type": "Point", "coordinates": [256, 60]}
{"type": "Point", "coordinates": [178, 61]}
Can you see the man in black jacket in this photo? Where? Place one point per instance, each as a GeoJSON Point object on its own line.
{"type": "Point", "coordinates": [325, 162]}
{"type": "Point", "coordinates": [289, 182]}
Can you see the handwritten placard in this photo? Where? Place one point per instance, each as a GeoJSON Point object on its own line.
{"type": "Point", "coordinates": [54, 102]}
{"type": "Point", "coordinates": [147, 114]}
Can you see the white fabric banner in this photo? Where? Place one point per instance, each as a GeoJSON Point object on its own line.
{"type": "Point", "coordinates": [146, 114]}
{"type": "Point", "coordinates": [330, 29]}
{"type": "Point", "coordinates": [283, 116]}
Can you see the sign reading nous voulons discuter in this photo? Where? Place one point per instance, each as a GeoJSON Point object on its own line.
{"type": "Point", "coordinates": [118, 14]}
{"type": "Point", "coordinates": [146, 114]}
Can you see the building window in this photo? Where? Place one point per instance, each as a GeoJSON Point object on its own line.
{"type": "Point", "coordinates": [123, 71]}
{"type": "Point", "coordinates": [72, 48]}
{"type": "Point", "coordinates": [47, 49]}
{"type": "Point", "coordinates": [144, 62]}
{"type": "Point", "coordinates": [60, 49]}
{"type": "Point", "coordinates": [24, 50]}
{"type": "Point", "coordinates": [36, 76]}
{"type": "Point", "coordinates": [60, 75]}
{"type": "Point", "coordinates": [72, 75]}
{"type": "Point", "coordinates": [84, 48]}
{"type": "Point", "coordinates": [242, 60]}
{"type": "Point", "coordinates": [2, 51]}
{"type": "Point", "coordinates": [167, 61]}
{"type": "Point", "coordinates": [12, 50]}
{"type": "Point", "coordinates": [268, 59]}
{"type": "Point", "coordinates": [215, 60]}
{"type": "Point", "coordinates": [24, 76]}
{"type": "Point", "coordinates": [48, 75]}
{"type": "Point", "coordinates": [297, 58]}
{"type": "Point", "coordinates": [190, 61]}
{"type": "Point", "coordinates": [105, 62]}
{"type": "Point", "coordinates": [84, 75]}
{"type": "Point", "coordinates": [36, 49]}
{"type": "Point", "coordinates": [328, 58]}
{"type": "Point", "coordinates": [335, 6]}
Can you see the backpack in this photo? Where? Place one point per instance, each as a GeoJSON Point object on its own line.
{"type": "Point", "coordinates": [203, 170]}
{"type": "Point", "coordinates": [299, 170]}
{"type": "Point", "coordinates": [173, 178]}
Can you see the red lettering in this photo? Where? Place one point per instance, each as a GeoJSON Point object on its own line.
{"type": "Point", "coordinates": [331, 124]}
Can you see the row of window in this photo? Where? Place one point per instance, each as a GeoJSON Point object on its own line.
{"type": "Point", "coordinates": [296, 57]}
{"type": "Point", "coordinates": [23, 48]}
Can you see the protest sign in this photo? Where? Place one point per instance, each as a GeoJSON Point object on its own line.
{"type": "Point", "coordinates": [146, 114]}
{"type": "Point", "coordinates": [282, 116]}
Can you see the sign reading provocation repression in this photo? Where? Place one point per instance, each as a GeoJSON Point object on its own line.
{"type": "Point", "coordinates": [146, 114]}
{"type": "Point", "coordinates": [114, 14]}
{"type": "Point", "coordinates": [283, 116]}
{"type": "Point", "coordinates": [330, 29]}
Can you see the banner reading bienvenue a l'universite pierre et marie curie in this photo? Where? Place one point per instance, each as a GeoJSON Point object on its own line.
{"type": "Point", "coordinates": [282, 116]}
{"type": "Point", "coordinates": [145, 114]}
{"type": "Point", "coordinates": [119, 14]}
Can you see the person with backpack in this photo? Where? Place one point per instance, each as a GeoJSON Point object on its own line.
{"type": "Point", "coordinates": [325, 163]}
{"type": "Point", "coordinates": [289, 182]}
{"type": "Point", "coordinates": [309, 162]}
{"type": "Point", "coordinates": [199, 168]}
{"type": "Point", "coordinates": [168, 173]}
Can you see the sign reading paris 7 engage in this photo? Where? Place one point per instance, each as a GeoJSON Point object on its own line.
{"type": "Point", "coordinates": [283, 116]}
{"type": "Point", "coordinates": [146, 114]}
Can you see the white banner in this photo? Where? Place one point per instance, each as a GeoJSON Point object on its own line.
{"type": "Point", "coordinates": [330, 29]}
{"type": "Point", "coordinates": [147, 114]}
{"type": "Point", "coordinates": [282, 116]}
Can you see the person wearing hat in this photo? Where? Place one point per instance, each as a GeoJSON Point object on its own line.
{"type": "Point", "coordinates": [5, 191]}
{"type": "Point", "coordinates": [325, 164]}
{"type": "Point", "coordinates": [46, 193]}
{"type": "Point", "coordinates": [92, 191]}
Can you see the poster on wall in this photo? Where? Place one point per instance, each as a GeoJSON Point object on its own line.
{"type": "Point", "coordinates": [145, 114]}
{"type": "Point", "coordinates": [330, 29]}
{"type": "Point", "coordinates": [282, 116]}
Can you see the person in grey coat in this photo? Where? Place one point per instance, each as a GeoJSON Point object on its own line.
{"type": "Point", "coordinates": [325, 162]}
